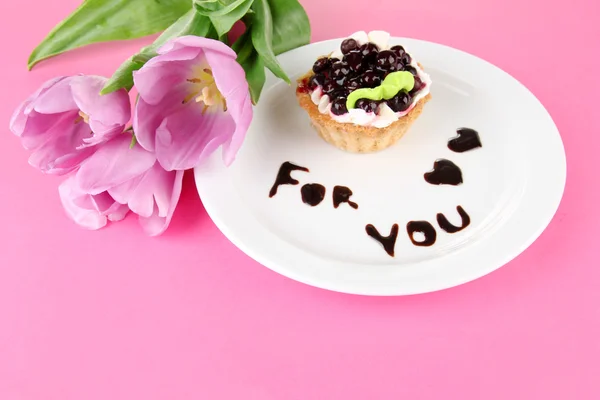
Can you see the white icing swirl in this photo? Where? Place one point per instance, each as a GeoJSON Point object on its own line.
{"type": "Point", "coordinates": [385, 116]}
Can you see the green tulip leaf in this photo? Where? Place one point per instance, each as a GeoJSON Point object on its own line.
{"type": "Point", "coordinates": [223, 23]}
{"type": "Point", "coordinates": [107, 20]}
{"type": "Point", "coordinates": [216, 8]}
{"type": "Point", "coordinates": [262, 37]}
{"type": "Point", "coordinates": [255, 75]}
{"type": "Point", "coordinates": [291, 27]}
{"type": "Point", "coordinates": [253, 65]}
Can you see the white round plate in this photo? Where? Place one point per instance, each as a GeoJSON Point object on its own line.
{"type": "Point", "coordinates": [512, 185]}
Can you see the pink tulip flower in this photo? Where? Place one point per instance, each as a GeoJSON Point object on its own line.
{"type": "Point", "coordinates": [89, 211]}
{"type": "Point", "coordinates": [116, 179]}
{"type": "Point", "coordinates": [66, 119]}
{"type": "Point", "coordinates": [193, 98]}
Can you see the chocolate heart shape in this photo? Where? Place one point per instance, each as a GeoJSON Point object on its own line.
{"type": "Point", "coordinates": [445, 172]}
{"type": "Point", "coordinates": [467, 139]}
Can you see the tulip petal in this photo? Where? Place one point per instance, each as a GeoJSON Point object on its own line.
{"type": "Point", "coordinates": [84, 217]}
{"type": "Point", "coordinates": [59, 154]}
{"type": "Point", "coordinates": [91, 212]}
{"type": "Point", "coordinates": [19, 117]}
{"type": "Point", "coordinates": [102, 202]}
{"type": "Point", "coordinates": [138, 194]}
{"type": "Point", "coordinates": [107, 114]}
{"type": "Point", "coordinates": [117, 212]}
{"type": "Point", "coordinates": [160, 220]}
{"type": "Point", "coordinates": [154, 185]}
{"type": "Point", "coordinates": [56, 99]}
{"type": "Point", "coordinates": [18, 120]}
{"type": "Point", "coordinates": [123, 192]}
{"type": "Point", "coordinates": [39, 128]}
{"type": "Point", "coordinates": [147, 118]}
{"type": "Point", "coordinates": [112, 164]}
{"type": "Point", "coordinates": [158, 76]}
{"type": "Point", "coordinates": [196, 42]}
{"type": "Point", "coordinates": [229, 75]}
{"type": "Point", "coordinates": [148, 193]}
{"type": "Point", "coordinates": [188, 137]}
{"type": "Point", "coordinates": [31, 125]}
{"type": "Point", "coordinates": [54, 121]}
{"type": "Point", "coordinates": [242, 115]}
{"type": "Point", "coordinates": [230, 78]}
{"type": "Point", "coordinates": [102, 134]}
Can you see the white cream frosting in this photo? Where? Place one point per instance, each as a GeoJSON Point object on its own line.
{"type": "Point", "coordinates": [385, 115]}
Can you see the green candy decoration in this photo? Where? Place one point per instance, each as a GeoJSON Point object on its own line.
{"type": "Point", "coordinates": [391, 86]}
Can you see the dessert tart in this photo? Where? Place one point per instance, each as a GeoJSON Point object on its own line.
{"type": "Point", "coordinates": [364, 96]}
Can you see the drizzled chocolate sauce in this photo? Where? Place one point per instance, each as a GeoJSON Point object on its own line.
{"type": "Point", "coordinates": [448, 227]}
{"type": "Point", "coordinates": [312, 194]}
{"type": "Point", "coordinates": [388, 242]}
{"type": "Point", "coordinates": [284, 177]}
{"type": "Point", "coordinates": [341, 194]}
{"type": "Point", "coordinates": [467, 139]}
{"type": "Point", "coordinates": [425, 228]}
{"type": "Point", "coordinates": [445, 172]}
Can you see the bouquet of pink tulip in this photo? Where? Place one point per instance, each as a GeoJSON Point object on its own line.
{"type": "Point", "coordinates": [195, 94]}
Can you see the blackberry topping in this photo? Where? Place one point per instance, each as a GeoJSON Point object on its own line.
{"type": "Point", "coordinates": [338, 106]}
{"type": "Point", "coordinates": [406, 59]}
{"type": "Point", "coordinates": [411, 69]}
{"type": "Point", "coordinates": [355, 61]}
{"type": "Point", "coordinates": [400, 102]}
{"type": "Point", "coordinates": [363, 66]}
{"type": "Point", "coordinates": [321, 65]}
{"type": "Point", "coordinates": [352, 84]}
{"type": "Point", "coordinates": [367, 105]}
{"type": "Point", "coordinates": [370, 79]}
{"type": "Point", "coordinates": [316, 80]}
{"type": "Point", "coordinates": [369, 52]}
{"type": "Point", "coordinates": [340, 69]}
{"type": "Point", "coordinates": [418, 86]}
{"type": "Point", "coordinates": [386, 61]}
{"type": "Point", "coordinates": [338, 93]}
{"type": "Point", "coordinates": [341, 81]}
{"type": "Point", "coordinates": [348, 45]}
{"type": "Point", "coordinates": [398, 50]}
{"type": "Point", "coordinates": [328, 87]}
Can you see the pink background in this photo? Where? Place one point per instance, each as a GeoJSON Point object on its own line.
{"type": "Point", "coordinates": [116, 315]}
